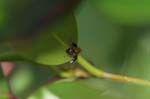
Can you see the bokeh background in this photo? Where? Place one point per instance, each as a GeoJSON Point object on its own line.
{"type": "Point", "coordinates": [114, 36]}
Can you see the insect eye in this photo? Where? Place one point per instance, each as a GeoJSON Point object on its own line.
{"type": "Point", "coordinates": [69, 51]}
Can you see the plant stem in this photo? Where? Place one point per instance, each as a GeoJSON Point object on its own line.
{"type": "Point", "coordinates": [90, 68]}
{"type": "Point", "coordinates": [126, 79]}
{"type": "Point", "coordinates": [101, 74]}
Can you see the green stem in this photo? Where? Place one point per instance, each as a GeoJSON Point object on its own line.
{"type": "Point", "coordinates": [91, 69]}
{"type": "Point", "coordinates": [100, 73]}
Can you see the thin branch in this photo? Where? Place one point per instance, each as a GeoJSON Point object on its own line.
{"type": "Point", "coordinates": [126, 79]}
{"type": "Point", "coordinates": [100, 73]}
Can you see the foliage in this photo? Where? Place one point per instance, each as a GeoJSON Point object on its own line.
{"type": "Point", "coordinates": [113, 35]}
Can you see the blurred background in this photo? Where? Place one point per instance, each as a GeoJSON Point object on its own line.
{"type": "Point", "coordinates": [114, 36]}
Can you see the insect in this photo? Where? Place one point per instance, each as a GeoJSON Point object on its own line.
{"type": "Point", "coordinates": [73, 51]}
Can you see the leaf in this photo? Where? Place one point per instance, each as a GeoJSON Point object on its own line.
{"type": "Point", "coordinates": [25, 30]}
{"type": "Point", "coordinates": [28, 77]}
{"type": "Point", "coordinates": [115, 48]}
{"type": "Point", "coordinates": [82, 89]}
{"type": "Point", "coordinates": [4, 91]}
{"type": "Point", "coordinates": [99, 39]}
{"type": "Point", "coordinates": [43, 48]}
{"type": "Point", "coordinates": [21, 19]}
{"type": "Point", "coordinates": [138, 65]}
{"type": "Point", "coordinates": [128, 12]}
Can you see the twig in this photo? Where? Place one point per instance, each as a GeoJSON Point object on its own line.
{"type": "Point", "coordinates": [100, 73]}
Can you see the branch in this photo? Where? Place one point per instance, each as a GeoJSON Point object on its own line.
{"type": "Point", "coordinates": [100, 73]}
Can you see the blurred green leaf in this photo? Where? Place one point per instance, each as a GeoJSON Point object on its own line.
{"type": "Point", "coordinates": [26, 27]}
{"type": "Point", "coordinates": [4, 91]}
{"type": "Point", "coordinates": [43, 48]}
{"type": "Point", "coordinates": [84, 89]}
{"type": "Point", "coordinates": [138, 65]}
{"type": "Point", "coordinates": [21, 19]}
{"type": "Point", "coordinates": [28, 77]}
{"type": "Point", "coordinates": [99, 38]}
{"type": "Point", "coordinates": [115, 48]}
{"type": "Point", "coordinates": [129, 12]}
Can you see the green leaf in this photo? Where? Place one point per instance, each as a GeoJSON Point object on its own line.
{"type": "Point", "coordinates": [106, 44]}
{"type": "Point", "coordinates": [4, 91]}
{"type": "Point", "coordinates": [28, 77]}
{"type": "Point", "coordinates": [82, 89]}
{"type": "Point", "coordinates": [129, 12]}
{"type": "Point", "coordinates": [43, 48]}
{"type": "Point", "coordinates": [115, 48]}
{"type": "Point", "coordinates": [19, 19]}
{"type": "Point", "coordinates": [26, 27]}
{"type": "Point", "coordinates": [138, 65]}
{"type": "Point", "coordinates": [99, 39]}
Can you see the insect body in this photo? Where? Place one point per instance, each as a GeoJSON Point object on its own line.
{"type": "Point", "coordinates": [73, 51]}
